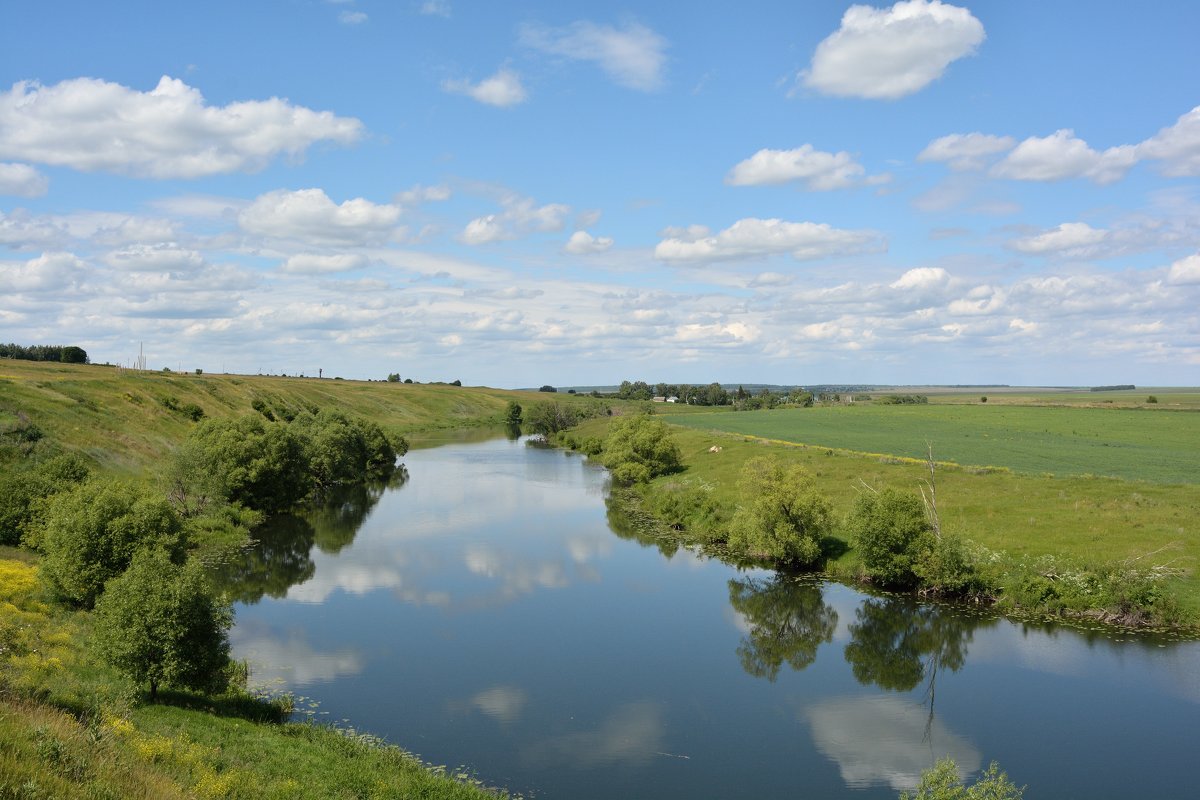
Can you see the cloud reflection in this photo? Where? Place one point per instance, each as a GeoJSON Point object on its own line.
{"type": "Point", "coordinates": [885, 740]}
{"type": "Point", "coordinates": [289, 659]}
{"type": "Point", "coordinates": [633, 734]}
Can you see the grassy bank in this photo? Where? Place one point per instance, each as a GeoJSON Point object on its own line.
{"type": "Point", "coordinates": [71, 727]}
{"type": "Point", "coordinates": [125, 421]}
{"type": "Point", "coordinates": [1033, 525]}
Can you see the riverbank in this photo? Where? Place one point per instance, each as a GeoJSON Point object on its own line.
{"type": "Point", "coordinates": [1076, 546]}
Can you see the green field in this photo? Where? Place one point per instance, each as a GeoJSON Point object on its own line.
{"type": "Point", "coordinates": [1158, 445]}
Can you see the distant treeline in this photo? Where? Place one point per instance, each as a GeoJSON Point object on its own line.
{"type": "Point", "coordinates": [902, 399]}
{"type": "Point", "coordinates": [1125, 387]}
{"type": "Point", "coordinates": [67, 354]}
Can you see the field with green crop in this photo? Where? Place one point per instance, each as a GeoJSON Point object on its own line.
{"type": "Point", "coordinates": [1158, 445]}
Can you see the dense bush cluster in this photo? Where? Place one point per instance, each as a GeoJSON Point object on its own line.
{"type": "Point", "coordinates": [782, 517]}
{"type": "Point", "coordinates": [28, 487]}
{"type": "Point", "coordinates": [640, 448]}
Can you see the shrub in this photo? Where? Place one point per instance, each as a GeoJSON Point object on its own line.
{"type": "Point", "coordinates": [782, 517]}
{"type": "Point", "coordinates": [548, 419]}
{"type": "Point", "coordinates": [25, 493]}
{"type": "Point", "coordinates": [512, 413]}
{"type": "Point", "coordinates": [1151, 399]}
{"type": "Point", "coordinates": [92, 533]}
{"type": "Point", "coordinates": [943, 782]}
{"type": "Point", "coordinates": [640, 448]}
{"type": "Point", "coordinates": [161, 623]}
{"type": "Point", "coordinates": [890, 531]}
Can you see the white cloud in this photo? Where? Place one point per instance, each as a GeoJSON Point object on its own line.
{"type": "Point", "coordinates": [49, 272]}
{"type": "Point", "coordinates": [520, 216]}
{"type": "Point", "coordinates": [163, 257]}
{"type": "Point", "coordinates": [1185, 270]}
{"type": "Point", "coordinates": [633, 57]}
{"type": "Point", "coordinates": [484, 230]}
{"type": "Point", "coordinates": [352, 17]}
{"type": "Point", "coordinates": [890, 53]}
{"type": "Point", "coordinates": [966, 151]}
{"type": "Point", "coordinates": [316, 264]}
{"type": "Point", "coordinates": [818, 170]}
{"type": "Point", "coordinates": [309, 215]}
{"type": "Point", "coordinates": [168, 132]}
{"type": "Point", "coordinates": [1069, 237]}
{"type": "Point", "coordinates": [423, 194]}
{"type": "Point", "coordinates": [583, 243]}
{"type": "Point", "coordinates": [1178, 146]}
{"type": "Point", "coordinates": [22, 180]}
{"type": "Point", "coordinates": [502, 89]}
{"type": "Point", "coordinates": [758, 238]}
{"type": "Point", "coordinates": [1061, 155]}
{"type": "Point", "coordinates": [921, 278]}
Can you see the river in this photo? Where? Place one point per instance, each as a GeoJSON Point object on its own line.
{"type": "Point", "coordinates": [483, 612]}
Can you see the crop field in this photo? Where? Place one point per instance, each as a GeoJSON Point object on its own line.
{"type": "Point", "coordinates": [1145, 444]}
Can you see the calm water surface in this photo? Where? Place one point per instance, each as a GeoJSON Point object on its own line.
{"type": "Point", "coordinates": [485, 612]}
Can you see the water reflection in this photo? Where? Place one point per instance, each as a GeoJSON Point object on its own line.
{"type": "Point", "coordinates": [287, 658]}
{"type": "Point", "coordinates": [280, 556]}
{"type": "Point", "coordinates": [786, 619]}
{"type": "Point", "coordinates": [635, 529]}
{"type": "Point", "coordinates": [632, 734]}
{"type": "Point", "coordinates": [885, 740]}
{"type": "Point", "coordinates": [896, 643]}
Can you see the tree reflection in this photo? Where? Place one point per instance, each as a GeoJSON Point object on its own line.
{"type": "Point", "coordinates": [280, 556]}
{"type": "Point", "coordinates": [277, 560]}
{"type": "Point", "coordinates": [788, 620]}
{"type": "Point", "coordinates": [337, 521]}
{"type": "Point", "coordinates": [896, 643]}
{"type": "Point", "coordinates": [637, 526]}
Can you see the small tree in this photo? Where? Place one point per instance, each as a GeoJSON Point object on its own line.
{"type": "Point", "coordinates": [162, 623]}
{"type": "Point", "coordinates": [782, 517]}
{"type": "Point", "coordinates": [890, 531]}
{"type": "Point", "coordinates": [92, 533]}
{"type": "Point", "coordinates": [393, 377]}
{"type": "Point", "coordinates": [640, 448]}
{"type": "Point", "coordinates": [512, 413]}
{"type": "Point", "coordinates": [942, 782]}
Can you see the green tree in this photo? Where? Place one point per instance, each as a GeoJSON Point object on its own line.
{"type": "Point", "coordinates": [639, 448]}
{"type": "Point", "coordinates": [512, 413]}
{"type": "Point", "coordinates": [789, 620]}
{"type": "Point", "coordinates": [782, 517]}
{"type": "Point", "coordinates": [891, 532]}
{"type": "Point", "coordinates": [25, 493]}
{"type": "Point", "coordinates": [73, 355]}
{"type": "Point", "coordinates": [92, 533]}
{"type": "Point", "coordinates": [942, 782]}
{"type": "Point", "coordinates": [548, 419]}
{"type": "Point", "coordinates": [162, 624]}
{"type": "Point", "coordinates": [393, 377]}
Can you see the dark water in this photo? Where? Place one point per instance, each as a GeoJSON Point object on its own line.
{"type": "Point", "coordinates": [482, 612]}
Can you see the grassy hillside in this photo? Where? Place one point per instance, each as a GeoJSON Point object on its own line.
{"type": "Point", "coordinates": [125, 420]}
{"type": "Point", "coordinates": [1149, 444]}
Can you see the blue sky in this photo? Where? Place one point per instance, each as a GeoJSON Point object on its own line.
{"type": "Point", "coordinates": [579, 193]}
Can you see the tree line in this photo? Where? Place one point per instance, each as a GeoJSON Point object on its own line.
{"type": "Point", "coordinates": [66, 354]}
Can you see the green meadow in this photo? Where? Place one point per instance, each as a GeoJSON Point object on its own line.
{"type": "Point", "coordinates": [1157, 444]}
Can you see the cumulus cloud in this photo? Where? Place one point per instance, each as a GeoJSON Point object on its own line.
{"type": "Point", "coordinates": [520, 216]}
{"type": "Point", "coordinates": [817, 170]}
{"type": "Point", "coordinates": [583, 243]}
{"type": "Point", "coordinates": [163, 257]}
{"type": "Point", "coordinates": [890, 53]}
{"type": "Point", "coordinates": [966, 151]}
{"type": "Point", "coordinates": [502, 89]}
{"type": "Point", "coordinates": [921, 278]}
{"type": "Point", "coordinates": [758, 238]}
{"type": "Point", "coordinates": [317, 264]}
{"type": "Point", "coordinates": [22, 180]}
{"type": "Point", "coordinates": [1178, 146]}
{"type": "Point", "coordinates": [352, 17]}
{"type": "Point", "coordinates": [435, 8]}
{"type": "Point", "coordinates": [168, 132]}
{"type": "Point", "coordinates": [49, 272]}
{"type": "Point", "coordinates": [309, 215]}
{"type": "Point", "coordinates": [1061, 155]}
{"type": "Point", "coordinates": [634, 56]}
{"type": "Point", "coordinates": [1185, 271]}
{"type": "Point", "coordinates": [1070, 237]}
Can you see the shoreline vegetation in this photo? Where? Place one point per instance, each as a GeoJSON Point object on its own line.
{"type": "Point", "coordinates": [150, 483]}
